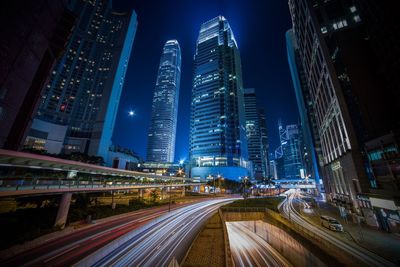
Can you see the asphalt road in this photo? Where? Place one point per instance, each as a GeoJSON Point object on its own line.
{"type": "Point", "coordinates": [69, 249]}
{"type": "Point", "coordinates": [158, 242]}
{"type": "Point", "coordinates": [248, 249]}
{"type": "Point", "coordinates": [290, 212]}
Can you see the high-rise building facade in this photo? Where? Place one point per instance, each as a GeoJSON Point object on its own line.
{"type": "Point", "coordinates": [264, 142]}
{"type": "Point", "coordinates": [217, 128]}
{"type": "Point", "coordinates": [256, 133]}
{"type": "Point", "coordinates": [33, 36]}
{"type": "Point", "coordinates": [312, 157]}
{"type": "Point", "coordinates": [292, 153]}
{"type": "Point", "coordinates": [253, 133]}
{"type": "Point", "coordinates": [352, 100]}
{"type": "Point", "coordinates": [162, 130]}
{"type": "Point", "coordinates": [83, 93]}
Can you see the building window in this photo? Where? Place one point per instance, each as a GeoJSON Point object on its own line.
{"type": "Point", "coordinates": [357, 18]}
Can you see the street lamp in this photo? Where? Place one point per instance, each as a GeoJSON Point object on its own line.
{"type": "Point", "coordinates": [244, 193]}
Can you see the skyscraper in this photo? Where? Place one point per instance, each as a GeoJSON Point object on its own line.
{"type": "Point", "coordinates": [33, 36]}
{"type": "Point", "coordinates": [256, 132]}
{"type": "Point", "coordinates": [81, 99]}
{"type": "Point", "coordinates": [217, 128]}
{"type": "Point", "coordinates": [265, 157]}
{"type": "Point", "coordinates": [292, 153]}
{"type": "Point", "coordinates": [162, 130]}
{"type": "Point", "coordinates": [309, 128]}
{"type": "Point", "coordinates": [353, 101]}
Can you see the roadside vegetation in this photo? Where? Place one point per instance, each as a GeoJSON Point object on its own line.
{"type": "Point", "coordinates": [265, 202]}
{"type": "Point", "coordinates": [35, 216]}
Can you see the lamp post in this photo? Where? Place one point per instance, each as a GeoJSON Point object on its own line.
{"type": "Point", "coordinates": [169, 195]}
{"type": "Point", "coordinates": [245, 193]}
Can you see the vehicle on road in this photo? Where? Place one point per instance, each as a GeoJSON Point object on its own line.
{"type": "Point", "coordinates": [331, 223]}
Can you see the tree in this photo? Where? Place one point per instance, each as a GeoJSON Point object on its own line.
{"type": "Point", "coordinates": [154, 195]}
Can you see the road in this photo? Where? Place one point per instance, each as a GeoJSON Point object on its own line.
{"type": "Point", "coordinates": [69, 249]}
{"type": "Point", "coordinates": [248, 249]}
{"type": "Point", "coordinates": [158, 242]}
{"type": "Point", "coordinates": [290, 212]}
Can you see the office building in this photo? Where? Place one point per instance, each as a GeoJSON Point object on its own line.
{"type": "Point", "coordinates": [85, 86]}
{"type": "Point", "coordinates": [33, 37]}
{"type": "Point", "coordinates": [162, 130]}
{"type": "Point", "coordinates": [292, 153]}
{"type": "Point", "coordinates": [264, 142]}
{"type": "Point", "coordinates": [347, 73]}
{"type": "Point", "coordinates": [256, 133]}
{"type": "Point", "coordinates": [218, 143]}
{"type": "Point", "coordinates": [312, 156]}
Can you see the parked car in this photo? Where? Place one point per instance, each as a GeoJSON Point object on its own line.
{"type": "Point", "coordinates": [331, 223]}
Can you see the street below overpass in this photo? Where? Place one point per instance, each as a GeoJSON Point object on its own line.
{"type": "Point", "coordinates": [249, 249]}
{"type": "Point", "coordinates": [288, 209]}
{"type": "Point", "coordinates": [69, 249]}
{"type": "Point", "coordinates": [158, 242]}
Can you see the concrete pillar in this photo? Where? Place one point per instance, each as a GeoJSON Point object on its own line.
{"type": "Point", "coordinates": [63, 209]}
{"type": "Point", "coordinates": [183, 191]}
{"type": "Point", "coordinates": [141, 193]}
{"type": "Point", "coordinates": [162, 193]}
{"type": "Point", "coordinates": [113, 203]}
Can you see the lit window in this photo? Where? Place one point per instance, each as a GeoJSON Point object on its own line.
{"type": "Point", "coordinates": [357, 18]}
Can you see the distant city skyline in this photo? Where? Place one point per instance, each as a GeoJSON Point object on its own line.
{"type": "Point", "coordinates": [267, 70]}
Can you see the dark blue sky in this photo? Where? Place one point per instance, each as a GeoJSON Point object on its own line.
{"type": "Point", "coordinates": [259, 28]}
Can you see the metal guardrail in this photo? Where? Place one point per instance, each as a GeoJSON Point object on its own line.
{"type": "Point", "coordinates": [56, 189]}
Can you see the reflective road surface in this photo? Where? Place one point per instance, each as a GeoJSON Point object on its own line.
{"type": "Point", "coordinates": [248, 249]}
{"type": "Point", "coordinates": [157, 242]}
{"type": "Point", "coordinates": [289, 211]}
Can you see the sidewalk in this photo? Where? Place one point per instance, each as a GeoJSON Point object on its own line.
{"type": "Point", "coordinates": [384, 244]}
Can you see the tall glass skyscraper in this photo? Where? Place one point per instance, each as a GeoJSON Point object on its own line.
{"type": "Point", "coordinates": [256, 132]}
{"type": "Point", "coordinates": [81, 98]}
{"type": "Point", "coordinates": [162, 130]}
{"type": "Point", "coordinates": [292, 152]}
{"type": "Point", "coordinates": [218, 143]}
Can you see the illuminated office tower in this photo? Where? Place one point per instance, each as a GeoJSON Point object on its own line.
{"type": "Point", "coordinates": [256, 133]}
{"type": "Point", "coordinates": [292, 152]}
{"type": "Point", "coordinates": [218, 143]}
{"type": "Point", "coordinates": [80, 101]}
{"type": "Point", "coordinates": [162, 130]}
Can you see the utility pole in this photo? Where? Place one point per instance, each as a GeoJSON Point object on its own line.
{"type": "Point", "coordinates": [169, 194]}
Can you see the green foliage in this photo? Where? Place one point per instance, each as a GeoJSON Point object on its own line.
{"type": "Point", "coordinates": [266, 202]}
{"type": "Point", "coordinates": [154, 195]}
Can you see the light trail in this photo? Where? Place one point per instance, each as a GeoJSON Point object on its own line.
{"type": "Point", "coordinates": [158, 242]}
{"type": "Point", "coordinates": [360, 253]}
{"type": "Point", "coordinates": [249, 249]}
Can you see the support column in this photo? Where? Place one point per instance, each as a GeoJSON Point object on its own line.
{"type": "Point", "coordinates": [113, 203]}
{"type": "Point", "coordinates": [162, 193]}
{"type": "Point", "coordinates": [63, 209]}
{"type": "Point", "coordinates": [141, 193]}
{"type": "Point", "coordinates": [183, 191]}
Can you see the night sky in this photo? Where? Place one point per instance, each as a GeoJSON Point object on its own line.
{"type": "Point", "coordinates": [259, 28]}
